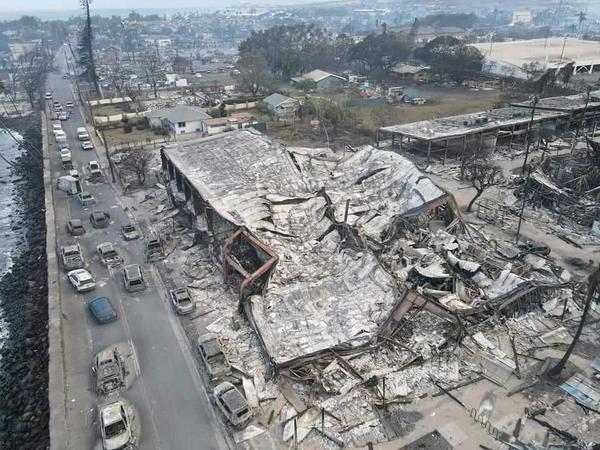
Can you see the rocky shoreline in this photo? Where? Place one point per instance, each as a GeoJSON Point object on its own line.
{"type": "Point", "coordinates": [24, 410]}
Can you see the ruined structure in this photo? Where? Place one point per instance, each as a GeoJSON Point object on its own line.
{"type": "Point", "coordinates": [448, 136]}
{"type": "Point", "coordinates": [293, 230]}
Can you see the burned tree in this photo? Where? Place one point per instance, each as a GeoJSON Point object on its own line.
{"type": "Point", "coordinates": [86, 59]}
{"type": "Point", "coordinates": [137, 162]}
{"type": "Point", "coordinates": [153, 72]}
{"type": "Point", "coordinates": [33, 69]}
{"type": "Point", "coordinates": [482, 175]}
{"type": "Point", "coordinates": [592, 294]}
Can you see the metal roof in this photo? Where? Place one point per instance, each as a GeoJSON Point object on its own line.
{"type": "Point", "coordinates": [277, 99]}
{"type": "Point", "coordinates": [320, 294]}
{"type": "Point", "coordinates": [465, 124]}
{"type": "Point", "coordinates": [179, 113]}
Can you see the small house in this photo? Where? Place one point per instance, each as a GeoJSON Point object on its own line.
{"type": "Point", "coordinates": [411, 72]}
{"type": "Point", "coordinates": [281, 105]}
{"type": "Point", "coordinates": [180, 119]}
{"type": "Point", "coordinates": [322, 79]}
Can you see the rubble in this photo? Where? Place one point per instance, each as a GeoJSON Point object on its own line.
{"type": "Point", "coordinates": [367, 289]}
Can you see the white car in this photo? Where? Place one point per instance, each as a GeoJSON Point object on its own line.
{"type": "Point", "coordinates": [65, 153]}
{"type": "Point", "coordinates": [94, 168]}
{"type": "Point", "coordinates": [74, 173]}
{"type": "Point", "coordinates": [87, 145]}
{"type": "Point", "coordinates": [81, 280]}
{"type": "Point", "coordinates": [115, 426]}
{"type": "Point", "coordinates": [69, 104]}
{"type": "Point", "coordinates": [48, 95]}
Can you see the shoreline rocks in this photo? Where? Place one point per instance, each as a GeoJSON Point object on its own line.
{"type": "Point", "coordinates": [24, 410]}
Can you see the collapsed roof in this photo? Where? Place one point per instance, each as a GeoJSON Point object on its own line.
{"type": "Point", "coordinates": [323, 293]}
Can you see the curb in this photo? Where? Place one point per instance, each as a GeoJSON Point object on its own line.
{"type": "Point", "coordinates": [56, 380]}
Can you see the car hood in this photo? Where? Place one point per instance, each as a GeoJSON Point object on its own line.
{"type": "Point", "coordinates": [185, 304]}
{"type": "Point", "coordinates": [117, 441]}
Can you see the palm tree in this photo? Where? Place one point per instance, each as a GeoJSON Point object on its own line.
{"type": "Point", "coordinates": [593, 285]}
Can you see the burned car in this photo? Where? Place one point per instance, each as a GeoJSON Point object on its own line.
{"type": "Point", "coordinates": [108, 255]}
{"type": "Point", "coordinates": [181, 301]}
{"type": "Point", "coordinates": [75, 227]}
{"type": "Point", "coordinates": [130, 232]}
{"type": "Point", "coordinates": [154, 249]}
{"type": "Point", "coordinates": [71, 257]}
{"type": "Point", "coordinates": [232, 404]}
{"type": "Point", "coordinates": [115, 426]}
{"type": "Point", "coordinates": [109, 371]}
{"type": "Point", "coordinates": [99, 219]}
{"type": "Point", "coordinates": [213, 357]}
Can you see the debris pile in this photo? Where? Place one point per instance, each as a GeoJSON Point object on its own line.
{"type": "Point", "coordinates": [378, 297]}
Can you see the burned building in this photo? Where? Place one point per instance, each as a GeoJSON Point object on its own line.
{"type": "Point", "coordinates": [448, 136]}
{"type": "Point", "coordinates": [294, 230]}
{"type": "Point", "coordinates": [581, 110]}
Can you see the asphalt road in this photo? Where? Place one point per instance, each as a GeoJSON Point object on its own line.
{"type": "Point", "coordinates": [175, 410]}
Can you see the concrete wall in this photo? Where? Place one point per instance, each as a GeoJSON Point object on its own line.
{"type": "Point", "coordinates": [238, 106]}
{"type": "Point", "coordinates": [56, 379]}
{"type": "Point", "coordinates": [190, 127]}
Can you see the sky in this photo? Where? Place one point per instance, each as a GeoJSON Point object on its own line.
{"type": "Point", "coordinates": [59, 5]}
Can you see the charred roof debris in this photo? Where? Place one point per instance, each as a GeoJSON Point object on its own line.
{"type": "Point", "coordinates": [350, 296]}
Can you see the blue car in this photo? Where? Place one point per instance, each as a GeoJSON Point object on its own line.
{"type": "Point", "coordinates": [102, 309]}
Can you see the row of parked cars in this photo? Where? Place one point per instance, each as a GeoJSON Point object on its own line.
{"type": "Point", "coordinates": [116, 415]}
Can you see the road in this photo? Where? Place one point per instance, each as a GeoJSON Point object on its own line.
{"type": "Point", "coordinates": [175, 410]}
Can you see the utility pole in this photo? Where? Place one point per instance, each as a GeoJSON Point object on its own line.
{"type": "Point", "coordinates": [525, 188]}
{"type": "Point", "coordinates": [110, 165]}
{"type": "Point", "coordinates": [582, 123]}
{"type": "Point", "coordinates": [529, 127]}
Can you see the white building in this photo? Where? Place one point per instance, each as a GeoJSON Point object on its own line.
{"type": "Point", "coordinates": [180, 119]}
{"type": "Point", "coordinates": [281, 105]}
{"type": "Point", "coordinates": [521, 17]}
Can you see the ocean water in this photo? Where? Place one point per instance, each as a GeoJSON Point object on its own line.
{"type": "Point", "coordinates": [9, 239]}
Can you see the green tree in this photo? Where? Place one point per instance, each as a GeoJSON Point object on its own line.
{"type": "Point", "coordinates": [306, 85]}
{"type": "Point", "coordinates": [451, 57]}
{"type": "Point", "coordinates": [254, 75]}
{"type": "Point", "coordinates": [331, 116]}
{"type": "Point", "coordinates": [291, 49]}
{"type": "Point", "coordinates": [380, 51]}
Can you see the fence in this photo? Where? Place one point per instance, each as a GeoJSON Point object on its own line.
{"type": "Point", "coordinates": [243, 105]}
{"type": "Point", "coordinates": [130, 145]}
{"type": "Point", "coordinates": [116, 118]}
{"type": "Point", "coordinates": [109, 101]}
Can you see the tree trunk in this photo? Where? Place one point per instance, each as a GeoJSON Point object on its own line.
{"type": "Point", "coordinates": [90, 50]}
{"type": "Point", "coordinates": [473, 200]}
{"type": "Point", "coordinates": [592, 289]}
